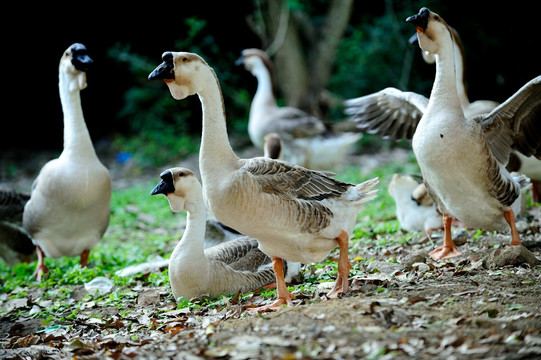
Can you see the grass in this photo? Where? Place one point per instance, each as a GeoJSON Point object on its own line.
{"type": "Point", "coordinates": [142, 227]}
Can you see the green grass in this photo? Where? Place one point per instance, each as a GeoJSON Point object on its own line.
{"type": "Point", "coordinates": [143, 227]}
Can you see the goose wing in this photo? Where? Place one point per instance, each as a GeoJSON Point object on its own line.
{"type": "Point", "coordinates": [294, 182]}
{"type": "Point", "coordinates": [515, 124]}
{"type": "Point", "coordinates": [240, 254]}
{"type": "Point", "coordinates": [390, 113]}
{"type": "Point", "coordinates": [296, 123]}
{"type": "Point", "coordinates": [12, 203]}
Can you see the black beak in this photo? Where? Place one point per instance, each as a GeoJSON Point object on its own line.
{"type": "Point", "coordinates": [166, 186]}
{"type": "Point", "coordinates": [80, 58]}
{"type": "Point", "coordinates": [240, 60]}
{"type": "Point", "coordinates": [420, 21]}
{"type": "Point", "coordinates": [164, 71]}
{"type": "Point", "coordinates": [413, 39]}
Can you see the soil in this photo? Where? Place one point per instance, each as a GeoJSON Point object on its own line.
{"type": "Point", "coordinates": [483, 304]}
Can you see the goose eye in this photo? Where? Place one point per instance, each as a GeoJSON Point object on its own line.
{"type": "Point", "coordinates": [180, 174]}
{"type": "Point", "coordinates": [184, 59]}
{"type": "Point", "coordinates": [436, 18]}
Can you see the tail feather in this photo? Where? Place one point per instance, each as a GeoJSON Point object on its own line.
{"type": "Point", "coordinates": [361, 193]}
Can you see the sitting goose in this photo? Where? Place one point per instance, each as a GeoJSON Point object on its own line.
{"type": "Point", "coordinates": [295, 213]}
{"type": "Point", "coordinates": [222, 269]}
{"type": "Point", "coordinates": [415, 209]}
{"type": "Point", "coordinates": [306, 140]}
{"type": "Point", "coordinates": [463, 159]}
{"type": "Point", "coordinates": [69, 206]}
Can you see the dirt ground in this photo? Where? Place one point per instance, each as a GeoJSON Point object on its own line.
{"type": "Point", "coordinates": [484, 304]}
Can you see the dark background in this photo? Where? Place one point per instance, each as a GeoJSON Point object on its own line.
{"type": "Point", "coordinates": [502, 46]}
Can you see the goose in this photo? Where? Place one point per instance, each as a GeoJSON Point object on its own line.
{"type": "Point", "coordinates": [306, 140]}
{"type": "Point", "coordinates": [462, 159]}
{"type": "Point", "coordinates": [15, 244]}
{"type": "Point", "coordinates": [69, 206]}
{"type": "Point", "coordinates": [222, 269]}
{"type": "Point", "coordinates": [295, 213]}
{"type": "Point", "coordinates": [415, 209]}
{"type": "Point", "coordinates": [373, 113]}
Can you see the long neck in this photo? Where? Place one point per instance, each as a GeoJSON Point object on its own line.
{"type": "Point", "coordinates": [264, 95]}
{"type": "Point", "coordinates": [444, 92]}
{"type": "Point", "coordinates": [76, 137]}
{"type": "Point", "coordinates": [460, 79]}
{"type": "Point", "coordinates": [216, 152]}
{"type": "Point", "coordinates": [192, 242]}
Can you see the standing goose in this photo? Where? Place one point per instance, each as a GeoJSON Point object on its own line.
{"type": "Point", "coordinates": [463, 159]}
{"type": "Point", "coordinates": [390, 111]}
{"type": "Point", "coordinates": [306, 140]}
{"type": "Point", "coordinates": [222, 269]}
{"type": "Point", "coordinates": [68, 210]}
{"type": "Point", "coordinates": [295, 213]}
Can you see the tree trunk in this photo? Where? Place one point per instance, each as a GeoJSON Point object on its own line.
{"type": "Point", "coordinates": [304, 53]}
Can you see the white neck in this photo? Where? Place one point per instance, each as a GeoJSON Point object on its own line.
{"type": "Point", "coordinates": [188, 266]}
{"type": "Point", "coordinates": [264, 95]}
{"type": "Point", "coordinates": [216, 152]}
{"type": "Point", "coordinates": [444, 92]}
{"type": "Point", "coordinates": [459, 68]}
{"type": "Point", "coordinates": [76, 137]}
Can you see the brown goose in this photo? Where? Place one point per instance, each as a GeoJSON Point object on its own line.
{"type": "Point", "coordinates": [222, 269]}
{"type": "Point", "coordinates": [295, 213]}
{"type": "Point", "coordinates": [463, 159]}
{"type": "Point", "coordinates": [68, 211]}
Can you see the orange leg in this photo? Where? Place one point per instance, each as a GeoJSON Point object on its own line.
{"type": "Point", "coordinates": [283, 295]}
{"type": "Point", "coordinates": [84, 257]}
{"type": "Point", "coordinates": [510, 218]}
{"type": "Point", "coordinates": [448, 250]}
{"type": "Point", "coordinates": [40, 268]}
{"type": "Point", "coordinates": [342, 284]}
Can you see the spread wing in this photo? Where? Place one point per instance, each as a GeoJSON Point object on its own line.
{"type": "Point", "coordinates": [390, 113]}
{"type": "Point", "coordinates": [515, 124]}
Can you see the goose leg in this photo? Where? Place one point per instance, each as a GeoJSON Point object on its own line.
{"type": "Point", "coordinates": [448, 250]}
{"type": "Point", "coordinates": [84, 257]}
{"type": "Point", "coordinates": [283, 295]}
{"type": "Point", "coordinates": [40, 268]}
{"type": "Point", "coordinates": [510, 218]}
{"type": "Point", "coordinates": [342, 284]}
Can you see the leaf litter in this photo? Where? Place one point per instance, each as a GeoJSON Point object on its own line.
{"type": "Point", "coordinates": [400, 304]}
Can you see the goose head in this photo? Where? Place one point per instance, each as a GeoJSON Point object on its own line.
{"type": "Point", "coordinates": [181, 71]}
{"type": "Point", "coordinates": [74, 63]}
{"type": "Point", "coordinates": [180, 186]}
{"type": "Point", "coordinates": [273, 146]}
{"type": "Point", "coordinates": [256, 62]}
{"type": "Point", "coordinates": [402, 184]}
{"type": "Point", "coordinates": [432, 31]}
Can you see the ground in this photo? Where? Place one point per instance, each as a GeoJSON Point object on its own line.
{"type": "Point", "coordinates": [483, 304]}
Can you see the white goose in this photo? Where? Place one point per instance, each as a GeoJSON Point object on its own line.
{"type": "Point", "coordinates": [222, 269]}
{"type": "Point", "coordinates": [388, 112]}
{"type": "Point", "coordinates": [415, 210]}
{"type": "Point", "coordinates": [68, 211]}
{"type": "Point", "coordinates": [295, 213]}
{"type": "Point", "coordinates": [306, 140]}
{"type": "Point", "coordinates": [463, 159]}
